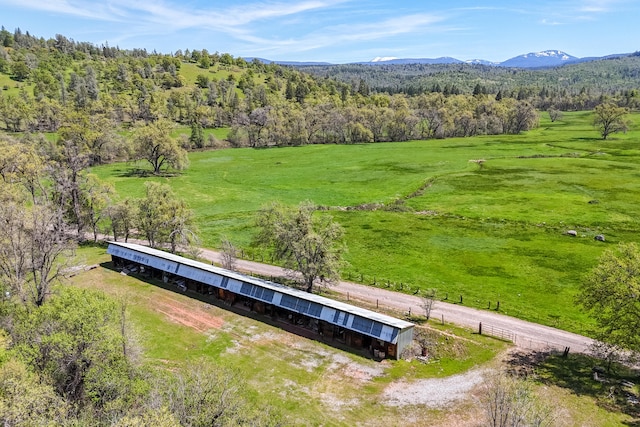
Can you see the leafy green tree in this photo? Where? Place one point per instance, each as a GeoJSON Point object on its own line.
{"type": "Point", "coordinates": [196, 139]}
{"type": "Point", "coordinates": [154, 144]}
{"type": "Point", "coordinates": [609, 118]}
{"type": "Point", "coordinates": [26, 400]}
{"type": "Point", "coordinates": [15, 112]}
{"type": "Point", "coordinates": [20, 70]}
{"type": "Point", "coordinates": [611, 294]}
{"type": "Point", "coordinates": [309, 246]}
{"type": "Point", "coordinates": [76, 340]}
{"type": "Point", "coordinates": [202, 81]}
{"type": "Point", "coordinates": [163, 217]}
{"type": "Point", "coordinates": [122, 217]}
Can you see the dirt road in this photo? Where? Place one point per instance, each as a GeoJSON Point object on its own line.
{"type": "Point", "coordinates": [524, 334]}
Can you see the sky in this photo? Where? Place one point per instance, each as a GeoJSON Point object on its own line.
{"type": "Point", "coordinates": [339, 31]}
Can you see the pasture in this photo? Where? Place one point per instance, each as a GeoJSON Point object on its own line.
{"type": "Point", "coordinates": [484, 218]}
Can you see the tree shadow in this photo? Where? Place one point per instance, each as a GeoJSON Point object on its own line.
{"type": "Point", "coordinates": [144, 173]}
{"type": "Point", "coordinates": [584, 376]}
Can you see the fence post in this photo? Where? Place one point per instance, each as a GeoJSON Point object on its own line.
{"type": "Point", "coordinates": [443, 319]}
{"type": "Point", "coordinates": [460, 299]}
{"type": "Point", "coordinates": [347, 296]}
{"type": "Point", "coordinates": [377, 304]}
{"type": "Point", "coordinates": [480, 329]}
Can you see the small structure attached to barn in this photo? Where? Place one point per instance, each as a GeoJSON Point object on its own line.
{"type": "Point", "coordinates": [384, 336]}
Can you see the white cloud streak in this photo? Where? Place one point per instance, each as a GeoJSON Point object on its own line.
{"type": "Point", "coordinates": [244, 23]}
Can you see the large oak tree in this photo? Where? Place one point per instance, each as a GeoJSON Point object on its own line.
{"type": "Point", "coordinates": [611, 293]}
{"type": "Point", "coordinates": [609, 118]}
{"type": "Point", "coordinates": [154, 144]}
{"type": "Point", "coordinates": [308, 245]}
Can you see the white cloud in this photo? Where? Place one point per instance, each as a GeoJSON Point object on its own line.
{"type": "Point", "coordinates": [597, 6]}
{"type": "Point", "coordinates": [550, 22]}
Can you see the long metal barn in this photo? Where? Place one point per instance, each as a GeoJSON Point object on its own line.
{"type": "Point", "coordinates": [365, 330]}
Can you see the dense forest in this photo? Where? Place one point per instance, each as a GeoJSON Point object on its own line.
{"type": "Point", "coordinates": [53, 85]}
{"type": "Point", "coordinates": [68, 357]}
{"type": "Point", "coordinates": [569, 87]}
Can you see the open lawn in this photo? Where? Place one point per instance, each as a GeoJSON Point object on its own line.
{"type": "Point", "coordinates": [481, 217]}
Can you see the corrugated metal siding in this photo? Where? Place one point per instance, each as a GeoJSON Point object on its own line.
{"type": "Point", "coordinates": [367, 322]}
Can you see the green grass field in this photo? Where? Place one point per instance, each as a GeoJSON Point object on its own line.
{"type": "Point", "coordinates": [490, 231]}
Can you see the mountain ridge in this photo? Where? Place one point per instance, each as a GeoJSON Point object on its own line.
{"type": "Point", "coordinates": [542, 59]}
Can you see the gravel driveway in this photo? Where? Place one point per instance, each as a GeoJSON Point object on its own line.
{"type": "Point", "coordinates": [526, 335]}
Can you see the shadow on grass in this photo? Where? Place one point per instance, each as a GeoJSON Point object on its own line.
{"type": "Point", "coordinates": [143, 173]}
{"type": "Point", "coordinates": [609, 390]}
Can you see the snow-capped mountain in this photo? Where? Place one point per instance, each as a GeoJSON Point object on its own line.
{"type": "Point", "coordinates": [547, 58]}
{"type": "Point", "coordinates": [544, 59]}
{"type": "Point", "coordinates": [481, 62]}
{"type": "Point", "coordinates": [383, 58]}
{"type": "Point", "coordinates": [393, 60]}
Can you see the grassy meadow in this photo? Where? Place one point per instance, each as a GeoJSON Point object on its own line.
{"type": "Point", "coordinates": [484, 218]}
{"type": "Point", "coordinates": [312, 384]}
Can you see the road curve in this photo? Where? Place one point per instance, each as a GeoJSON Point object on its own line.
{"type": "Point", "coordinates": [524, 334]}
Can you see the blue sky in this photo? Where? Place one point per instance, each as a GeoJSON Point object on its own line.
{"type": "Point", "coordinates": [339, 31]}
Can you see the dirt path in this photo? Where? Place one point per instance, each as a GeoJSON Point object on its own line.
{"type": "Point", "coordinates": [525, 334]}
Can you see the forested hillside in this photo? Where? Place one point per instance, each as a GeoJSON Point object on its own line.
{"type": "Point", "coordinates": [570, 87]}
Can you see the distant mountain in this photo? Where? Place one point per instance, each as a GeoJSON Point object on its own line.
{"type": "Point", "coordinates": [547, 58]}
{"type": "Point", "coordinates": [392, 60]}
{"type": "Point", "coordinates": [481, 62]}
{"type": "Point", "coordinates": [544, 59]}
{"type": "Point", "coordinates": [292, 63]}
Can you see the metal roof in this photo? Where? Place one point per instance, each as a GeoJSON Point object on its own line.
{"type": "Point", "coordinates": [327, 302]}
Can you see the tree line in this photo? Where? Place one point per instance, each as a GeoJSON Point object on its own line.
{"type": "Point", "coordinates": [578, 86]}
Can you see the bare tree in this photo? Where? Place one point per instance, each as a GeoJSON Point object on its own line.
{"type": "Point", "coordinates": [554, 114]}
{"type": "Point", "coordinates": [509, 402]}
{"type": "Point", "coordinates": [229, 254]}
{"type": "Point", "coordinates": [33, 247]}
{"type": "Point", "coordinates": [428, 301]}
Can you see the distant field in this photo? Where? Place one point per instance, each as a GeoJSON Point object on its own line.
{"type": "Point", "coordinates": [9, 86]}
{"type": "Point", "coordinates": [486, 216]}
